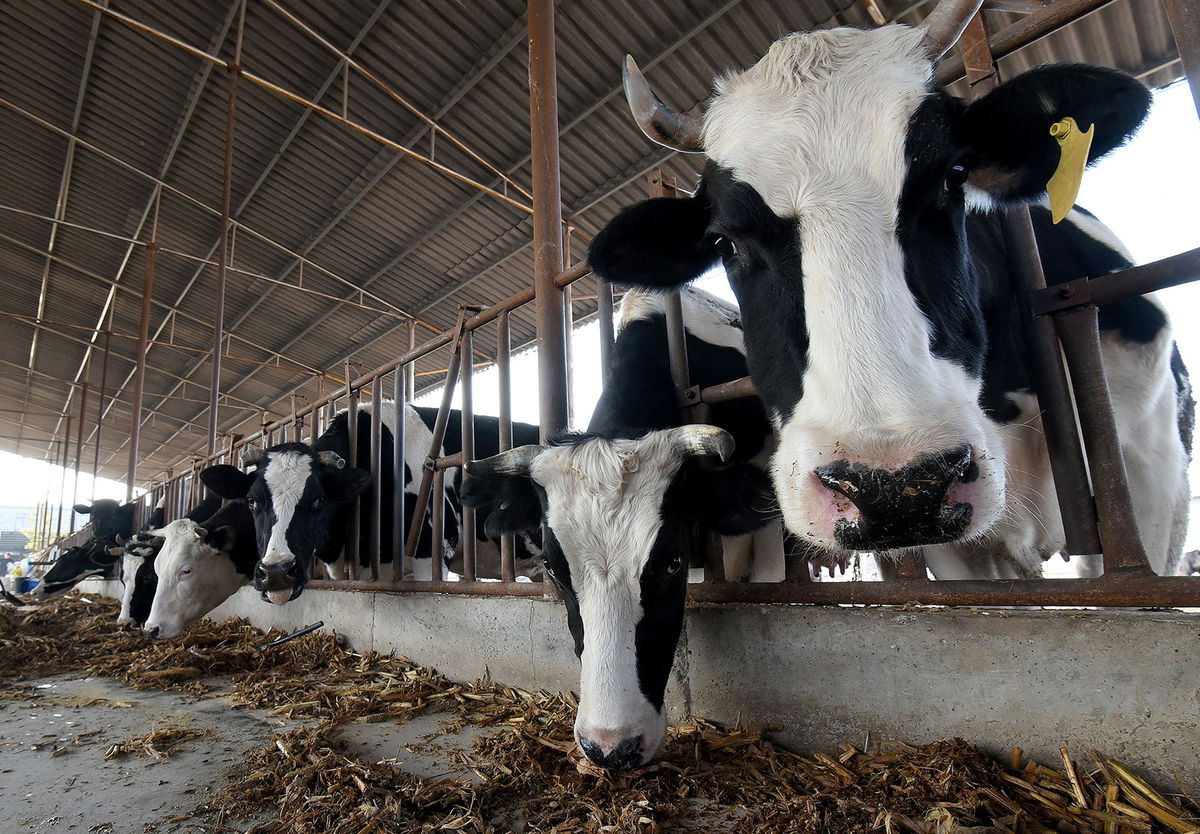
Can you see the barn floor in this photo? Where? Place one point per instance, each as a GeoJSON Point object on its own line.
{"type": "Point", "coordinates": [54, 774]}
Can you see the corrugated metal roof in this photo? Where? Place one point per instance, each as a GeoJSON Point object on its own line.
{"type": "Point", "coordinates": [414, 239]}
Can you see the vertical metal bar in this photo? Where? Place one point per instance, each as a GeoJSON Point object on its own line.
{"type": "Point", "coordinates": [139, 376]}
{"type": "Point", "coordinates": [356, 510]}
{"type": "Point", "coordinates": [64, 462]}
{"type": "Point", "coordinates": [466, 369]}
{"type": "Point", "coordinates": [604, 311]}
{"type": "Point", "coordinates": [547, 218]}
{"type": "Point", "coordinates": [223, 253]}
{"type": "Point", "coordinates": [410, 370]}
{"type": "Point", "coordinates": [568, 344]}
{"type": "Point", "coordinates": [438, 523]}
{"type": "Point", "coordinates": [508, 571]}
{"type": "Point", "coordinates": [435, 445]}
{"type": "Point", "coordinates": [83, 395]}
{"type": "Point", "coordinates": [1053, 392]}
{"type": "Point", "coordinates": [1185, 23]}
{"type": "Point", "coordinates": [100, 412]}
{"type": "Point", "coordinates": [1079, 330]}
{"type": "Point", "coordinates": [376, 475]}
{"type": "Point", "coordinates": [399, 392]}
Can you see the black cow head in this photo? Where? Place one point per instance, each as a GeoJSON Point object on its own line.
{"type": "Point", "coordinates": [74, 565]}
{"type": "Point", "coordinates": [300, 501]}
{"type": "Point", "coordinates": [112, 523]}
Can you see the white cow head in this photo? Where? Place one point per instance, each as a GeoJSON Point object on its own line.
{"type": "Point", "coordinates": [196, 573]}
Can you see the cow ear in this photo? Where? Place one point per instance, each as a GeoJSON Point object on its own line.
{"type": "Point", "coordinates": [345, 484]}
{"type": "Point", "coordinates": [83, 509]}
{"type": "Point", "coordinates": [222, 538]}
{"type": "Point", "coordinates": [733, 501]}
{"type": "Point", "coordinates": [227, 481]}
{"type": "Point", "coordinates": [509, 503]}
{"type": "Point", "coordinates": [658, 243]}
{"type": "Point", "coordinates": [1007, 132]}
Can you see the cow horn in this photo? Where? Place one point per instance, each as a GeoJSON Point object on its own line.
{"type": "Point", "coordinates": [945, 24]}
{"type": "Point", "coordinates": [659, 122]}
{"type": "Point", "coordinates": [704, 440]}
{"type": "Point", "coordinates": [199, 533]}
{"type": "Point", "coordinates": [252, 456]}
{"type": "Point", "coordinates": [331, 459]}
{"type": "Point", "coordinates": [513, 462]}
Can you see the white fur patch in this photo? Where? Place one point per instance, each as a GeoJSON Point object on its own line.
{"type": "Point", "coordinates": [286, 474]}
{"type": "Point", "coordinates": [193, 579]}
{"type": "Point", "coordinates": [708, 318]}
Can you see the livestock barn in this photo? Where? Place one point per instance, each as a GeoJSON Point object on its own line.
{"type": "Point", "coordinates": [594, 416]}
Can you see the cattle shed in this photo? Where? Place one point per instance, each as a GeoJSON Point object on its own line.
{"type": "Point", "coordinates": [225, 223]}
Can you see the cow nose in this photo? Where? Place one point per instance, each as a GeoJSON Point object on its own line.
{"type": "Point", "coordinates": [905, 507]}
{"type": "Point", "coordinates": [605, 750]}
{"type": "Point", "coordinates": [275, 576]}
{"type": "Point", "coordinates": [152, 631]}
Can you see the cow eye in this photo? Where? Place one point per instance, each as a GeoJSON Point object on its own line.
{"type": "Point", "coordinates": [185, 572]}
{"type": "Point", "coordinates": [956, 177]}
{"type": "Point", "coordinates": [675, 566]}
{"type": "Point", "coordinates": [726, 248]}
{"type": "Point", "coordinates": [318, 503]}
{"type": "Point", "coordinates": [252, 504]}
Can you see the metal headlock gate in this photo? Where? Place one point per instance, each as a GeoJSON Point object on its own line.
{"type": "Point", "coordinates": [1062, 329]}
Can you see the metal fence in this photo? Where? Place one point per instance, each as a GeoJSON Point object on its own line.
{"type": "Point", "coordinates": [1062, 329]}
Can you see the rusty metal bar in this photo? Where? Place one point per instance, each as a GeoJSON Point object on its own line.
{"type": "Point", "coordinates": [222, 256]}
{"type": "Point", "coordinates": [604, 312]}
{"type": "Point", "coordinates": [400, 402]}
{"type": "Point", "coordinates": [1079, 331]}
{"type": "Point", "coordinates": [376, 477]}
{"type": "Point", "coordinates": [467, 414]}
{"type": "Point", "coordinates": [1105, 289]}
{"type": "Point", "coordinates": [1071, 483]}
{"type": "Point", "coordinates": [438, 522]}
{"type": "Point", "coordinates": [508, 549]}
{"type": "Point", "coordinates": [410, 372]}
{"type": "Point", "coordinates": [83, 394]}
{"type": "Point", "coordinates": [435, 445]}
{"type": "Point", "coordinates": [352, 542]}
{"type": "Point", "coordinates": [547, 218]}
{"type": "Point", "coordinates": [1185, 24]}
{"type": "Point", "coordinates": [139, 385]}
{"type": "Point", "coordinates": [62, 488]}
{"type": "Point", "coordinates": [735, 389]}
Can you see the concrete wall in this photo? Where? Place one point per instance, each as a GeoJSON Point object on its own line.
{"type": "Point", "coordinates": [1124, 682]}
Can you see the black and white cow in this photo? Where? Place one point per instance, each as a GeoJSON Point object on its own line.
{"type": "Point", "coordinates": [76, 564]}
{"type": "Point", "coordinates": [199, 566]}
{"type": "Point", "coordinates": [301, 496]}
{"type": "Point", "coordinates": [137, 562]}
{"type": "Point", "coordinates": [852, 202]}
{"type": "Point", "coordinates": [622, 506]}
{"type": "Point", "coordinates": [112, 522]}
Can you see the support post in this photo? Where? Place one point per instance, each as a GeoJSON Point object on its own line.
{"type": "Point", "coordinates": [352, 543]}
{"type": "Point", "coordinates": [547, 218]}
{"type": "Point", "coordinates": [376, 476]}
{"type": "Point", "coordinates": [1185, 24]}
{"type": "Point", "coordinates": [100, 411]}
{"type": "Point", "coordinates": [466, 368]}
{"type": "Point", "coordinates": [139, 375]}
{"type": "Point", "coordinates": [222, 255]}
{"type": "Point", "coordinates": [508, 559]}
{"type": "Point", "coordinates": [64, 462]}
{"type": "Point", "coordinates": [399, 394]}
{"type": "Point", "coordinates": [83, 395]}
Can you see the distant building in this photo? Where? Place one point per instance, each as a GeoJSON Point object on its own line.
{"type": "Point", "coordinates": [13, 541]}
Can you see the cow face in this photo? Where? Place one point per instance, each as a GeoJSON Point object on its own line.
{"type": "Point", "coordinates": [835, 195]}
{"type": "Point", "coordinates": [195, 574]}
{"type": "Point", "coordinates": [138, 578]}
{"type": "Point", "coordinates": [73, 566]}
{"type": "Point", "coordinates": [111, 522]}
{"type": "Point", "coordinates": [299, 499]}
{"type": "Point", "coordinates": [620, 520]}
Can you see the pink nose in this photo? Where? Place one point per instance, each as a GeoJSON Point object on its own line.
{"type": "Point", "coordinates": [613, 750]}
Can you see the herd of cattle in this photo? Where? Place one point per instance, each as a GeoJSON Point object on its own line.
{"type": "Point", "coordinates": [854, 205]}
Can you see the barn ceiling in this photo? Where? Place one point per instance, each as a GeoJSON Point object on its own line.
{"type": "Point", "coordinates": [109, 134]}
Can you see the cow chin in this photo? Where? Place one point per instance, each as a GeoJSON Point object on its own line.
{"type": "Point", "coordinates": [844, 497]}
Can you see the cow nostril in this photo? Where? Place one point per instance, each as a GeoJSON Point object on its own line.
{"type": "Point", "coordinates": [153, 631]}
{"type": "Point", "coordinates": [260, 573]}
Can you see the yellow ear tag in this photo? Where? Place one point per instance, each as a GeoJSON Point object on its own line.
{"type": "Point", "coordinates": [1074, 145]}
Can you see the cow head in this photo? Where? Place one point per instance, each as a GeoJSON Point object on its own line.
{"type": "Point", "coordinates": [299, 500]}
{"type": "Point", "coordinates": [111, 522]}
{"type": "Point", "coordinates": [620, 519]}
{"type": "Point", "coordinates": [196, 573]}
{"type": "Point", "coordinates": [838, 179]}
{"type": "Point", "coordinates": [73, 566]}
{"type": "Point", "coordinates": [138, 578]}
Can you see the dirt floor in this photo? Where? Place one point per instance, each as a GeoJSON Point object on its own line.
{"type": "Point", "coordinates": [103, 730]}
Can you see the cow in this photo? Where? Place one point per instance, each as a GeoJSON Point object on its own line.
{"type": "Point", "coordinates": [137, 562]}
{"type": "Point", "coordinates": [854, 205]}
{"type": "Point", "coordinates": [112, 522]}
{"type": "Point", "coordinates": [73, 565]}
{"type": "Point", "coordinates": [301, 495]}
{"type": "Point", "coordinates": [622, 507]}
{"type": "Point", "coordinates": [199, 566]}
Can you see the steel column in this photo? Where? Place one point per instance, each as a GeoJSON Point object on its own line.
{"type": "Point", "coordinates": [604, 312]}
{"type": "Point", "coordinates": [62, 488]}
{"type": "Point", "coordinates": [399, 396]}
{"type": "Point", "coordinates": [466, 369]}
{"type": "Point", "coordinates": [547, 218]}
{"type": "Point", "coordinates": [1185, 23]}
{"type": "Point", "coordinates": [508, 557]}
{"type": "Point", "coordinates": [222, 254]}
{"type": "Point", "coordinates": [139, 385]}
{"type": "Point", "coordinates": [352, 544]}
{"type": "Point", "coordinates": [83, 394]}
{"type": "Point", "coordinates": [377, 476]}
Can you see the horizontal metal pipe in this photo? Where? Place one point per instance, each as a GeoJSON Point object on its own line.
{"type": "Point", "coordinates": [476, 588]}
{"type": "Point", "coordinates": [735, 389]}
{"type": "Point", "coordinates": [1105, 289]}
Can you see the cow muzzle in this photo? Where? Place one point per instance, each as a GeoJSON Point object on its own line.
{"type": "Point", "coordinates": [915, 505]}
{"type": "Point", "coordinates": [611, 751]}
{"type": "Point", "coordinates": [279, 582]}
